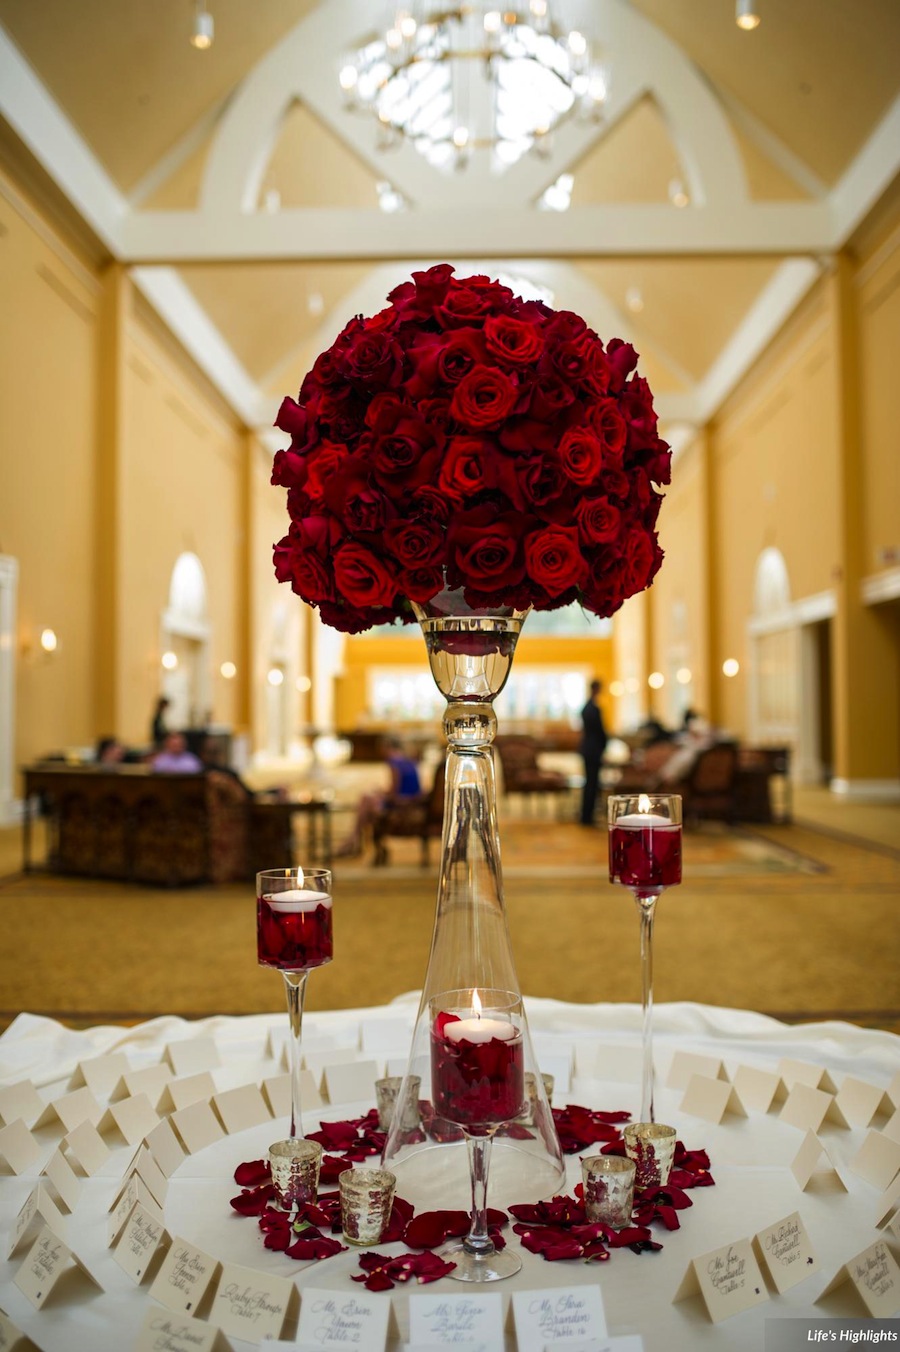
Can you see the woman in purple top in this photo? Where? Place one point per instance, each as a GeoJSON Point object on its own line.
{"type": "Point", "coordinates": [175, 759]}
{"type": "Point", "coordinates": [405, 783]}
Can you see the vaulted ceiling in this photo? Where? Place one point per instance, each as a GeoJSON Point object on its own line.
{"type": "Point", "coordinates": [245, 195]}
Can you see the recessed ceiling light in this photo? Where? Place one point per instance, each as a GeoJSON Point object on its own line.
{"type": "Point", "coordinates": [204, 29]}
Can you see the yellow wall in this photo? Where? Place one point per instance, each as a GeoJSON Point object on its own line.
{"type": "Point", "coordinates": [878, 328]}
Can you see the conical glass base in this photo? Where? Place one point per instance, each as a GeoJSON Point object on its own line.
{"type": "Point", "coordinates": [471, 974]}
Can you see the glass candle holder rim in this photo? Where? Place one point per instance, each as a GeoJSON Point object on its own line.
{"type": "Point", "coordinates": [608, 1164]}
{"type": "Point", "coordinates": [284, 875]}
{"type": "Point", "coordinates": [364, 1179]}
{"type": "Point", "coordinates": [649, 1131]}
{"type": "Point", "coordinates": [296, 1148]}
{"type": "Point", "coordinates": [446, 1002]}
{"type": "Point", "coordinates": [671, 801]}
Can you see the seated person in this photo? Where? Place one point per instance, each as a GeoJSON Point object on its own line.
{"type": "Point", "coordinates": [175, 759]}
{"type": "Point", "coordinates": [110, 751]}
{"type": "Point", "coordinates": [405, 783]}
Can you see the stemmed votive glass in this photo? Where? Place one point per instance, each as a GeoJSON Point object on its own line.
{"type": "Point", "coordinates": [645, 856]}
{"type": "Point", "coordinates": [293, 934]}
{"type": "Point", "coordinates": [478, 1083]}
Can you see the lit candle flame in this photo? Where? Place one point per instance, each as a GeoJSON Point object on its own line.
{"type": "Point", "coordinates": [476, 1004]}
{"type": "Point", "coordinates": [643, 803]}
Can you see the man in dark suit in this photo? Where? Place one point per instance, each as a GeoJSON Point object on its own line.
{"type": "Point", "coordinates": [593, 745]}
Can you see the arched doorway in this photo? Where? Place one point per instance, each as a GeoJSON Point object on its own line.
{"type": "Point", "coordinates": [185, 633]}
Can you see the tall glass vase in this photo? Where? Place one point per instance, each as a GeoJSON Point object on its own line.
{"type": "Point", "coordinates": [471, 654]}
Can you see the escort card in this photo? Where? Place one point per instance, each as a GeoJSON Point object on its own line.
{"type": "Point", "coordinates": [807, 1108]}
{"type": "Point", "coordinates": [711, 1099]}
{"type": "Point", "coordinates": [859, 1101]}
{"type": "Point", "coordinates": [476, 1320]}
{"type": "Point", "coordinates": [620, 1065]}
{"type": "Point", "coordinates": [192, 1055]}
{"type": "Point", "coordinates": [727, 1279]}
{"type": "Point", "coordinates": [164, 1332]}
{"type": "Point", "coordinates": [133, 1194]}
{"type": "Point", "coordinates": [888, 1202]}
{"type": "Point", "coordinates": [385, 1035]}
{"type": "Point", "coordinates": [808, 1164]}
{"type": "Point", "coordinates": [151, 1080]}
{"type": "Point", "coordinates": [242, 1108]}
{"type": "Point", "coordinates": [350, 1082]}
{"type": "Point", "coordinates": [333, 1056]}
{"type": "Point", "coordinates": [758, 1089]}
{"type": "Point", "coordinates": [197, 1126]}
{"type": "Point", "coordinates": [38, 1209]}
{"type": "Point", "coordinates": [145, 1166]}
{"type": "Point", "coordinates": [17, 1146]}
{"type": "Point", "coordinates": [141, 1236]}
{"type": "Point", "coordinates": [804, 1072]}
{"type": "Point", "coordinates": [165, 1147]}
{"type": "Point", "coordinates": [184, 1277]}
{"type": "Point", "coordinates": [189, 1089]}
{"type": "Point", "coordinates": [132, 1118]}
{"type": "Point", "coordinates": [563, 1314]}
{"type": "Point", "coordinates": [71, 1110]}
{"type": "Point", "coordinates": [44, 1264]}
{"type": "Point", "coordinates": [251, 1305]}
{"type": "Point", "coordinates": [877, 1160]}
{"type": "Point", "coordinates": [87, 1148]}
{"type": "Point", "coordinates": [100, 1073]}
{"type": "Point", "coordinates": [64, 1179]}
{"type": "Point", "coordinates": [785, 1250]}
{"type": "Point", "coordinates": [20, 1100]}
{"type": "Point", "coordinates": [875, 1276]}
{"type": "Point", "coordinates": [687, 1064]}
{"type": "Point", "coordinates": [277, 1093]}
{"type": "Point", "coordinates": [11, 1336]}
{"type": "Point", "coordinates": [344, 1319]}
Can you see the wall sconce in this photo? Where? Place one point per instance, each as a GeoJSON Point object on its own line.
{"type": "Point", "coordinates": [616, 689]}
{"type": "Point", "coordinates": [48, 640]}
{"type": "Point", "coordinates": [169, 660]}
{"type": "Point", "coordinates": [731, 666]}
{"type": "Point", "coordinates": [275, 676]}
{"type": "Point", "coordinates": [228, 670]}
{"type": "Point", "coordinates": [746, 16]}
{"type": "Point", "coordinates": [684, 676]}
{"type": "Point", "coordinates": [204, 29]}
{"type": "Point", "coordinates": [304, 684]}
{"type": "Point", "coordinates": [656, 680]}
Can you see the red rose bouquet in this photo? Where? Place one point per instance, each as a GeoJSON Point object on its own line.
{"type": "Point", "coordinates": [468, 439]}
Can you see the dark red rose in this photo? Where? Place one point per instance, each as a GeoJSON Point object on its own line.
{"type": "Point", "coordinates": [565, 326]}
{"type": "Point", "coordinates": [581, 455]}
{"type": "Point", "coordinates": [415, 543]}
{"type": "Point", "coordinates": [418, 299]}
{"type": "Point", "coordinates": [642, 559]}
{"type": "Point", "coordinates": [513, 340]}
{"type": "Point", "coordinates": [470, 301]}
{"type": "Point", "coordinates": [636, 406]}
{"type": "Point", "coordinates": [467, 467]}
{"type": "Point", "coordinates": [484, 550]}
{"type": "Point", "coordinates": [363, 578]}
{"type": "Point", "coordinates": [371, 360]}
{"type": "Point", "coordinates": [598, 520]}
{"type": "Point", "coordinates": [553, 559]}
{"type": "Point", "coordinates": [610, 427]}
{"type": "Point", "coordinates": [543, 480]}
{"type": "Point", "coordinates": [349, 620]}
{"type": "Point", "coordinates": [429, 503]}
{"type": "Point", "coordinates": [551, 398]}
{"type": "Point", "coordinates": [621, 359]}
{"type": "Point", "coordinates": [291, 418]}
{"type": "Point", "coordinates": [483, 398]}
{"type": "Point", "coordinates": [420, 584]}
{"type": "Point", "coordinates": [361, 506]}
{"type": "Point", "coordinates": [443, 358]}
{"type": "Point", "coordinates": [289, 469]}
{"type": "Point", "coordinates": [406, 456]}
{"type": "Point", "coordinates": [323, 465]}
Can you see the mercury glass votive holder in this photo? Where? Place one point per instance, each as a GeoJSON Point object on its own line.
{"type": "Point", "coordinates": [652, 1147]}
{"type": "Point", "coordinates": [295, 1166]}
{"type": "Point", "coordinates": [367, 1196]}
{"type": "Point", "coordinates": [608, 1182]}
{"type": "Point", "coordinates": [531, 1093]}
{"type": "Point", "coordinates": [387, 1094]}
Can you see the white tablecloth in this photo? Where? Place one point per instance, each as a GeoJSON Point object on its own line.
{"type": "Point", "coordinates": [750, 1162]}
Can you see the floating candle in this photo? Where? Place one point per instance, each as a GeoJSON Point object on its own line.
{"type": "Point", "coordinates": [295, 902]}
{"type": "Point", "coordinates": [480, 1030]}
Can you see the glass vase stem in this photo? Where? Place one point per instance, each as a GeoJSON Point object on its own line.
{"type": "Point", "coordinates": [646, 904]}
{"type": "Point", "coordinates": [295, 989]}
{"type": "Point", "coordinates": [478, 1242]}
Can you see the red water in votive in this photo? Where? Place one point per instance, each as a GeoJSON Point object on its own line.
{"type": "Point", "coordinates": [477, 1085]}
{"type": "Point", "coordinates": [645, 856]}
{"type": "Point", "coordinates": [293, 941]}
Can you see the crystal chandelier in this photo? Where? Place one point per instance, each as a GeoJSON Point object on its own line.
{"type": "Point", "coordinates": [468, 77]}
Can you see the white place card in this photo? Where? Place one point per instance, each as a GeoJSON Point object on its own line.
{"type": "Point", "coordinates": [277, 1093]}
{"type": "Point", "coordinates": [711, 1099]}
{"type": "Point", "coordinates": [687, 1064]}
{"type": "Point", "coordinates": [20, 1100]}
{"type": "Point", "coordinates": [619, 1065]}
{"type": "Point", "coordinates": [893, 1224]}
{"type": "Point", "coordinates": [804, 1072]}
{"type": "Point", "coordinates": [806, 1108]}
{"type": "Point", "coordinates": [162, 1331]}
{"type": "Point", "coordinates": [331, 1056]}
{"type": "Point", "coordinates": [888, 1202]}
{"type": "Point", "coordinates": [197, 1126]}
{"type": "Point", "coordinates": [276, 1041]}
{"type": "Point", "coordinates": [38, 1210]}
{"type": "Point", "coordinates": [563, 1314]}
{"type": "Point", "coordinates": [813, 1162]}
{"type": "Point", "coordinates": [549, 1047]}
{"type": "Point", "coordinates": [877, 1160]}
{"type": "Point", "coordinates": [141, 1236]}
{"type": "Point", "coordinates": [350, 1082]}
{"type": "Point", "coordinates": [131, 1117]}
{"type": "Point", "coordinates": [784, 1249]}
{"type": "Point", "coordinates": [727, 1279]}
{"type": "Point", "coordinates": [181, 1093]}
{"type": "Point", "coordinates": [165, 1147]}
{"type": "Point", "coordinates": [11, 1336]}
{"type": "Point", "coordinates": [859, 1101]}
{"type": "Point", "coordinates": [476, 1320]}
{"type": "Point", "coordinates": [193, 1055]}
{"type": "Point", "coordinates": [64, 1179]}
{"type": "Point", "coordinates": [150, 1080]}
{"type": "Point", "coordinates": [893, 1090]}
{"type": "Point", "coordinates": [100, 1073]}
{"type": "Point", "coordinates": [71, 1110]}
{"type": "Point", "coordinates": [17, 1146]}
{"type": "Point", "coordinates": [133, 1194]}
{"type": "Point", "coordinates": [145, 1166]}
{"type": "Point", "coordinates": [875, 1276]}
{"type": "Point", "coordinates": [184, 1277]}
{"type": "Point", "coordinates": [45, 1262]}
{"type": "Point", "coordinates": [560, 1067]}
{"type": "Point", "coordinates": [891, 1128]}
{"type": "Point", "coordinates": [87, 1148]}
{"type": "Point", "coordinates": [251, 1305]}
{"type": "Point", "coordinates": [242, 1108]}
{"type": "Point", "coordinates": [758, 1089]}
{"type": "Point", "coordinates": [344, 1319]}
{"type": "Point", "coordinates": [386, 1035]}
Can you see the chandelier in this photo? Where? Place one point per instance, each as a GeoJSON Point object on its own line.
{"type": "Point", "coordinates": [467, 77]}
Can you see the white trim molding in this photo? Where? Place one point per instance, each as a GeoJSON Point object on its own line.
{"type": "Point", "coordinates": [879, 790]}
{"type": "Point", "coordinates": [878, 587]}
{"type": "Point", "coordinates": [808, 610]}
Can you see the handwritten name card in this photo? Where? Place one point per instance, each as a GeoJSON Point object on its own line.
{"type": "Point", "coordinates": [728, 1280]}
{"type": "Point", "coordinates": [242, 1108]}
{"type": "Point", "coordinates": [251, 1305]}
{"type": "Point", "coordinates": [687, 1064]}
{"type": "Point", "coordinates": [64, 1179]}
{"type": "Point", "coordinates": [197, 1126]}
{"type": "Point", "coordinates": [150, 1080]}
{"type": "Point", "coordinates": [133, 1194]}
{"type": "Point", "coordinates": [165, 1147]}
{"type": "Point", "coordinates": [711, 1099]}
{"type": "Point", "coordinates": [45, 1263]}
{"type": "Point", "coordinates": [17, 1146]}
{"type": "Point", "coordinates": [184, 1277]}
{"type": "Point", "coordinates": [343, 1319]}
{"type": "Point", "coordinates": [625, 1342]}
{"type": "Point", "coordinates": [758, 1089]}
{"type": "Point", "coordinates": [132, 1118]}
{"type": "Point", "coordinates": [71, 1110]}
{"type": "Point", "coordinates": [193, 1055]}
{"type": "Point", "coordinates": [87, 1148]}
{"type": "Point", "coordinates": [877, 1160]}
{"type": "Point", "coordinates": [20, 1100]}
{"type": "Point", "coordinates": [181, 1093]}
{"type": "Point", "coordinates": [38, 1210]}
{"type": "Point", "coordinates": [141, 1236]}
{"type": "Point", "coordinates": [565, 1314]}
{"type": "Point", "coordinates": [163, 1332]}
{"type": "Point", "coordinates": [875, 1277]}
{"type": "Point", "coordinates": [475, 1320]}
{"type": "Point", "coordinates": [100, 1073]}
{"type": "Point", "coordinates": [812, 1163]}
{"type": "Point", "coordinates": [785, 1250]}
